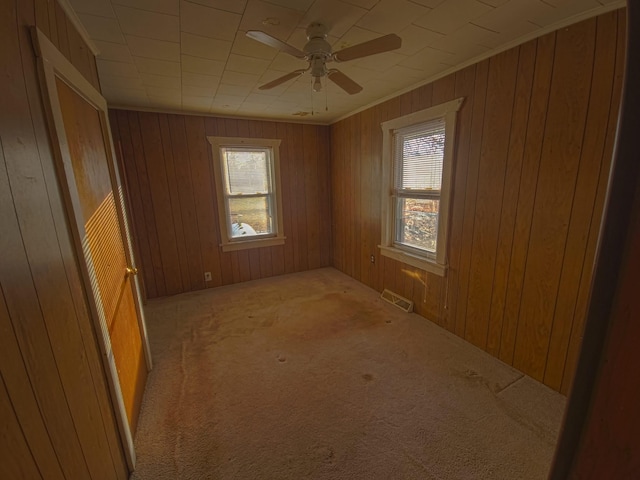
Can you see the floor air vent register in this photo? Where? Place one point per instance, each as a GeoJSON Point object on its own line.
{"type": "Point", "coordinates": [395, 299]}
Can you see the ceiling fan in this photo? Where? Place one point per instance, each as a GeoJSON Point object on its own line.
{"type": "Point", "coordinates": [318, 53]}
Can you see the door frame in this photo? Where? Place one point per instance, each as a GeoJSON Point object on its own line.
{"type": "Point", "coordinates": [51, 65]}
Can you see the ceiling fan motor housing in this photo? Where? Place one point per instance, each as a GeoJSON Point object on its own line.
{"type": "Point", "coordinates": [317, 50]}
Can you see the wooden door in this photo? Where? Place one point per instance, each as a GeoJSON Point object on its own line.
{"type": "Point", "coordinates": [96, 197]}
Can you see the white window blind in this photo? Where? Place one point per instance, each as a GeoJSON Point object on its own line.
{"type": "Point", "coordinates": [419, 151]}
{"type": "Point", "coordinates": [246, 171]}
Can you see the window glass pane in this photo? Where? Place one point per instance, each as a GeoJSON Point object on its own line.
{"type": "Point", "coordinates": [417, 223]}
{"type": "Point", "coordinates": [246, 171]}
{"type": "Point", "coordinates": [250, 216]}
{"type": "Point", "coordinates": [419, 166]}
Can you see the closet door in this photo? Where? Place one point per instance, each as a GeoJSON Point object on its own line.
{"type": "Point", "coordinates": [97, 221]}
{"type": "Point", "coordinates": [104, 242]}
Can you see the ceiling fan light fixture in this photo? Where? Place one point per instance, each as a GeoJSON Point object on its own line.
{"type": "Point", "coordinates": [317, 84]}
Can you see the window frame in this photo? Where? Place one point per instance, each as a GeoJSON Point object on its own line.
{"type": "Point", "coordinates": [228, 242]}
{"type": "Point", "coordinates": [433, 263]}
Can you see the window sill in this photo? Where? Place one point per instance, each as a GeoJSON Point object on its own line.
{"type": "Point", "coordinates": [256, 243]}
{"type": "Point", "coordinates": [414, 260]}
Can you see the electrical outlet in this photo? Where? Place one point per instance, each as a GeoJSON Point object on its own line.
{"type": "Point", "coordinates": [373, 259]}
{"type": "Point", "coordinates": [207, 276]}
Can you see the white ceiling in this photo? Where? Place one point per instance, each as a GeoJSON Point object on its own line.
{"type": "Point", "coordinates": [193, 56]}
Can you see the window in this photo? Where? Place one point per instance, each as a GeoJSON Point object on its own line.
{"type": "Point", "coordinates": [248, 191]}
{"type": "Point", "coordinates": [417, 156]}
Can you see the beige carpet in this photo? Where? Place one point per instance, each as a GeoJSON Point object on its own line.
{"type": "Point", "coordinates": [312, 375]}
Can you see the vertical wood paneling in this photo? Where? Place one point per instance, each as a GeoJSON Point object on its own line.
{"type": "Point", "coordinates": [470, 197]}
{"type": "Point", "coordinates": [594, 229]}
{"type": "Point", "coordinates": [517, 138]}
{"type": "Point", "coordinates": [526, 195]}
{"type": "Point", "coordinates": [14, 445]}
{"type": "Point", "coordinates": [56, 413]}
{"type": "Point", "coordinates": [584, 198]}
{"type": "Point", "coordinates": [169, 166]}
{"type": "Point", "coordinates": [492, 166]}
{"type": "Point", "coordinates": [152, 146]}
{"type": "Point", "coordinates": [561, 150]}
{"type": "Point", "coordinates": [528, 189]}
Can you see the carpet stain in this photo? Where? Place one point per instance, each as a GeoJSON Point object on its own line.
{"type": "Point", "coordinates": [368, 377]}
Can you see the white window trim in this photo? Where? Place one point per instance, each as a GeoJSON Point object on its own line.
{"type": "Point", "coordinates": [228, 243]}
{"type": "Point", "coordinates": [434, 264]}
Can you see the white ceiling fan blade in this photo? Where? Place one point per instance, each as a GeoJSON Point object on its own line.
{"type": "Point", "coordinates": [281, 80]}
{"type": "Point", "coordinates": [364, 49]}
{"type": "Point", "coordinates": [275, 43]}
{"type": "Point", "coordinates": [344, 82]}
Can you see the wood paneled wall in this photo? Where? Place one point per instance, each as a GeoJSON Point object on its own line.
{"type": "Point", "coordinates": [533, 150]}
{"type": "Point", "coordinates": [55, 412]}
{"type": "Point", "coordinates": [167, 162]}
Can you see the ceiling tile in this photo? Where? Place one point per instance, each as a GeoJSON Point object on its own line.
{"type": "Point", "coordinates": [107, 67]}
{"type": "Point", "coordinates": [238, 63]}
{"type": "Point", "coordinates": [166, 103]}
{"type": "Point", "coordinates": [337, 16]}
{"type": "Point", "coordinates": [229, 100]}
{"type": "Point", "coordinates": [113, 51]}
{"type": "Point", "coordinates": [101, 8]}
{"type": "Point", "coordinates": [401, 73]}
{"type": "Point", "coordinates": [382, 61]}
{"type": "Point", "coordinates": [415, 38]}
{"type": "Point", "coordinates": [101, 28]}
{"type": "Point", "coordinates": [205, 47]}
{"type": "Point", "coordinates": [148, 24]}
{"type": "Point", "coordinates": [433, 3]}
{"type": "Point", "coordinates": [514, 11]}
{"type": "Point", "coordinates": [120, 82]}
{"type": "Point", "coordinates": [301, 5]}
{"type": "Point", "coordinates": [234, 6]}
{"type": "Point", "coordinates": [235, 90]}
{"type": "Point", "coordinates": [260, 99]}
{"type": "Point", "coordinates": [126, 96]}
{"type": "Point", "coordinates": [368, 4]}
{"type": "Point", "coordinates": [391, 16]}
{"type": "Point", "coordinates": [246, 46]}
{"type": "Point", "coordinates": [150, 48]}
{"type": "Point", "coordinates": [427, 60]}
{"type": "Point", "coordinates": [257, 11]}
{"type": "Point", "coordinates": [286, 63]}
{"type": "Point", "coordinates": [564, 9]}
{"type": "Point", "coordinates": [203, 66]}
{"type": "Point", "coordinates": [208, 22]}
{"type": "Point", "coordinates": [198, 104]}
{"type": "Point", "coordinates": [157, 67]}
{"type": "Point", "coordinates": [452, 14]}
{"type": "Point", "coordinates": [170, 7]}
{"type": "Point", "coordinates": [162, 92]}
{"type": "Point", "coordinates": [199, 91]}
{"type": "Point", "coordinates": [235, 78]}
{"type": "Point", "coordinates": [354, 36]}
{"type": "Point", "coordinates": [198, 80]}
{"type": "Point", "coordinates": [161, 81]}
{"type": "Point", "coordinates": [464, 53]}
